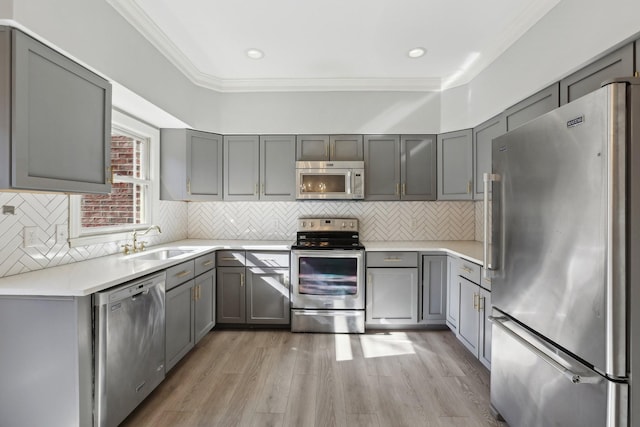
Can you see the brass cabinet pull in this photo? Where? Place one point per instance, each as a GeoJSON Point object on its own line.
{"type": "Point", "coordinates": [481, 302]}
{"type": "Point", "coordinates": [183, 273]}
{"type": "Point", "coordinates": [404, 188]}
{"type": "Point", "coordinates": [392, 259]}
{"type": "Point", "coordinates": [228, 258]}
{"type": "Point", "coordinates": [110, 174]}
{"type": "Point", "coordinates": [476, 302]}
{"type": "Point", "coordinates": [262, 189]}
{"type": "Point", "coordinates": [397, 189]}
{"type": "Point", "coordinates": [255, 193]}
{"type": "Point", "coordinates": [188, 186]}
{"type": "Point", "coordinates": [469, 185]}
{"type": "Point", "coordinates": [207, 263]}
{"type": "Point", "coordinates": [326, 151]}
{"type": "Point", "coordinates": [241, 280]}
{"type": "Point", "coordinates": [466, 269]}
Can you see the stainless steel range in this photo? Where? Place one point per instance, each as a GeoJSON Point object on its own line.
{"type": "Point", "coordinates": [327, 277]}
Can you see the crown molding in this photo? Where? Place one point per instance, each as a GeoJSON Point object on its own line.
{"type": "Point", "coordinates": [133, 13]}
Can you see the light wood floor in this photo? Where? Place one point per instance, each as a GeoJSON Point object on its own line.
{"type": "Point", "coordinates": [277, 378]}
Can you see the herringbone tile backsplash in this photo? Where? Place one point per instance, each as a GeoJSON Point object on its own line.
{"type": "Point", "coordinates": [379, 221]}
{"type": "Point", "coordinates": [45, 211]}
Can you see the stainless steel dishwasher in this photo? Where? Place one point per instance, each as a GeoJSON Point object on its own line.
{"type": "Point", "coordinates": [129, 346]}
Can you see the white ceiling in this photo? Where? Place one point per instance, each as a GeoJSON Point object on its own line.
{"type": "Point", "coordinates": [332, 44]}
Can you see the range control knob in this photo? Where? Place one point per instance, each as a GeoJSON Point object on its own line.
{"type": "Point", "coordinates": [344, 224]}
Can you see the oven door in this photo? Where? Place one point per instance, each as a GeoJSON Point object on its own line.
{"type": "Point", "coordinates": [327, 279]}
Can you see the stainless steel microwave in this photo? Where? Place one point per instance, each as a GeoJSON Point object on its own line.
{"type": "Point", "coordinates": [330, 180]}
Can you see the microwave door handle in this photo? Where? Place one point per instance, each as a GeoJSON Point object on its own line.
{"type": "Point", "coordinates": [348, 182]}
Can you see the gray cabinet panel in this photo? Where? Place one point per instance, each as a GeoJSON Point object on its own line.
{"type": "Point", "coordinates": [455, 165]}
{"type": "Point", "coordinates": [277, 167]}
{"type": "Point", "coordinates": [434, 289]}
{"type": "Point", "coordinates": [468, 323]}
{"type": "Point", "coordinates": [205, 311]}
{"type": "Point", "coordinates": [230, 295]}
{"type": "Point", "coordinates": [60, 120]}
{"type": "Point", "coordinates": [591, 77]}
{"type": "Point", "coordinates": [312, 147]}
{"type": "Point", "coordinates": [484, 343]}
{"type": "Point", "coordinates": [534, 106]}
{"type": "Point", "coordinates": [392, 296]}
{"type": "Point", "coordinates": [190, 165]}
{"type": "Point", "coordinates": [268, 295]}
{"type": "Point", "coordinates": [382, 167]}
{"type": "Point", "coordinates": [483, 135]}
{"type": "Point", "coordinates": [204, 166]}
{"type": "Point", "coordinates": [418, 167]}
{"type": "Point", "coordinates": [346, 147]}
{"type": "Point", "coordinates": [179, 332]}
{"type": "Point", "coordinates": [453, 293]}
{"type": "Point", "coordinates": [241, 173]}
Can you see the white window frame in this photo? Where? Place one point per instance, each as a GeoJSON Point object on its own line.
{"type": "Point", "coordinates": [84, 237]}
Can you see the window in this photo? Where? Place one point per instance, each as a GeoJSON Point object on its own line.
{"type": "Point", "coordinates": [97, 218]}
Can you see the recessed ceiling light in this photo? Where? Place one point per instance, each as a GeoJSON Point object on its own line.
{"type": "Point", "coordinates": [254, 53]}
{"type": "Point", "coordinates": [417, 52]}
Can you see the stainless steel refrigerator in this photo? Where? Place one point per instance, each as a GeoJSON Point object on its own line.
{"type": "Point", "coordinates": [565, 264]}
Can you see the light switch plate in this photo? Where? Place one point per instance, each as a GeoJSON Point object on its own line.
{"type": "Point", "coordinates": [61, 233]}
{"type": "Point", "coordinates": [30, 235]}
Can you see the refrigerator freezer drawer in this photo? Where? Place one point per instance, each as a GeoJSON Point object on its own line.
{"type": "Point", "coordinates": [533, 384]}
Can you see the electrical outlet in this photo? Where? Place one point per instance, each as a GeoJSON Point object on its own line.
{"type": "Point", "coordinates": [30, 235]}
{"type": "Point", "coordinates": [61, 233]}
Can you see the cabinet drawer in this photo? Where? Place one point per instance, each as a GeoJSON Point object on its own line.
{"type": "Point", "coordinates": [469, 271]}
{"type": "Point", "coordinates": [268, 258]}
{"type": "Point", "coordinates": [205, 263]}
{"type": "Point", "coordinates": [230, 258]}
{"type": "Point", "coordinates": [392, 259]}
{"type": "Point", "coordinates": [179, 274]}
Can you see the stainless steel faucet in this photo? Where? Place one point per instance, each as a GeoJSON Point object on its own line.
{"type": "Point", "coordinates": [139, 246]}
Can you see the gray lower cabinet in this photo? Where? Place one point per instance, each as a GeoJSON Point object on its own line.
{"type": "Point", "coordinates": [534, 106]}
{"type": "Point", "coordinates": [267, 296]}
{"type": "Point", "coordinates": [329, 147]}
{"type": "Point", "coordinates": [277, 167]}
{"type": "Point", "coordinates": [241, 167]}
{"type": "Point", "coordinates": [253, 287]}
{"type": "Point", "coordinates": [455, 165]}
{"type": "Point", "coordinates": [190, 165]}
{"type": "Point", "coordinates": [616, 64]}
{"type": "Point", "coordinates": [53, 112]}
{"type": "Point", "coordinates": [392, 288]}
{"type": "Point", "coordinates": [453, 293]}
{"type": "Point", "coordinates": [474, 306]}
{"type": "Point", "coordinates": [483, 136]}
{"type": "Point", "coordinates": [189, 306]}
{"type": "Point", "coordinates": [433, 310]}
{"type": "Point", "coordinates": [400, 167]}
{"type": "Point", "coordinates": [46, 361]}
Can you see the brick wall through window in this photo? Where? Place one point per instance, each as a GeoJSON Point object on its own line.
{"type": "Point", "coordinates": [123, 205]}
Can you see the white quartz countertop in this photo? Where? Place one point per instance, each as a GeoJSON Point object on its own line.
{"type": "Point", "coordinates": [94, 275]}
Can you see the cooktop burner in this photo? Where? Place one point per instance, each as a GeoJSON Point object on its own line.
{"type": "Point", "coordinates": [327, 233]}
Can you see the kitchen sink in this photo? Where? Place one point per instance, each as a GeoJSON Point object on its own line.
{"type": "Point", "coordinates": [161, 254]}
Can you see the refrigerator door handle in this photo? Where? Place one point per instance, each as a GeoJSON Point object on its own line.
{"type": "Point", "coordinates": [574, 377]}
{"type": "Point", "coordinates": [489, 259]}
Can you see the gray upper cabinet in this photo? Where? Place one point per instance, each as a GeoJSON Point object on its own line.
{"type": "Point", "coordinates": [190, 165]}
{"type": "Point", "coordinates": [55, 120]}
{"type": "Point", "coordinates": [616, 64]}
{"type": "Point", "coordinates": [346, 147]}
{"type": "Point", "coordinates": [418, 167]}
{"type": "Point", "coordinates": [312, 147]}
{"type": "Point", "coordinates": [455, 165]}
{"type": "Point", "coordinates": [482, 137]}
{"type": "Point", "coordinates": [325, 147]}
{"type": "Point", "coordinates": [534, 106]}
{"type": "Point", "coordinates": [277, 167]}
{"type": "Point", "coordinates": [382, 167]}
{"type": "Point", "coordinates": [241, 173]}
